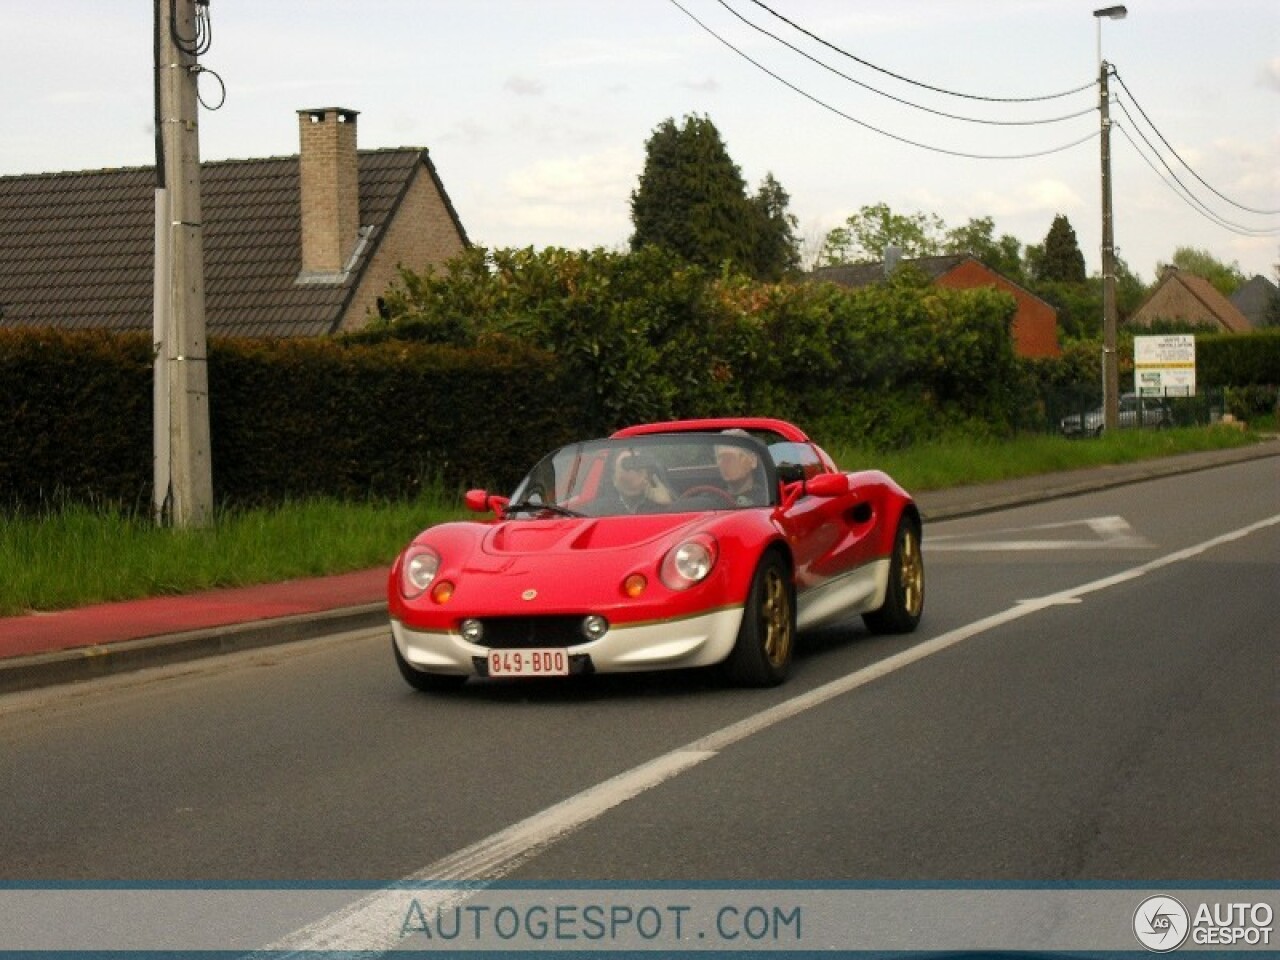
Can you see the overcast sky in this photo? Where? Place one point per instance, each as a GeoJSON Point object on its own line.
{"type": "Point", "coordinates": [536, 112]}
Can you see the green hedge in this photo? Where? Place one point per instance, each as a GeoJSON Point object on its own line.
{"type": "Point", "coordinates": [288, 418]}
{"type": "Point", "coordinates": [1239, 359]}
{"type": "Point", "coordinates": [296, 418]}
{"type": "Point", "coordinates": [505, 354]}
{"type": "Point", "coordinates": [75, 417]}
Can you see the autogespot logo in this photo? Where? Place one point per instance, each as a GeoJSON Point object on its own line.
{"type": "Point", "coordinates": [1161, 924]}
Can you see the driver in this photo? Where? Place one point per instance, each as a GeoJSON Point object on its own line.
{"type": "Point", "coordinates": [737, 466]}
{"type": "Point", "coordinates": [636, 481]}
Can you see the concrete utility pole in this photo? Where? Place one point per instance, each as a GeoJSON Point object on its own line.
{"type": "Point", "coordinates": [182, 453]}
{"type": "Point", "coordinates": [1110, 368]}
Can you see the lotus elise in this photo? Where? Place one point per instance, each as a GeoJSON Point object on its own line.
{"type": "Point", "coordinates": [692, 543]}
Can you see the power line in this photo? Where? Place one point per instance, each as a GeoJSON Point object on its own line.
{"type": "Point", "coordinates": [916, 83]}
{"type": "Point", "coordinates": [917, 106]}
{"type": "Point", "coordinates": [884, 133]}
{"type": "Point", "coordinates": [1184, 194]}
{"type": "Point", "coordinates": [1157, 132]}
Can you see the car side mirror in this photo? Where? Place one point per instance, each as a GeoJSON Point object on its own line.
{"type": "Point", "coordinates": [828, 485]}
{"type": "Point", "coordinates": [481, 501]}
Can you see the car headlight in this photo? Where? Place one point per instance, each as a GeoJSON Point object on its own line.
{"type": "Point", "coordinates": [689, 563]}
{"type": "Point", "coordinates": [420, 566]}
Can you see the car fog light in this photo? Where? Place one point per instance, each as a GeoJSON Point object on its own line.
{"type": "Point", "coordinates": [594, 627]}
{"type": "Point", "coordinates": [472, 631]}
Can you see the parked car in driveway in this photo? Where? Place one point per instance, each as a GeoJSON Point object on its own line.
{"type": "Point", "coordinates": [1133, 412]}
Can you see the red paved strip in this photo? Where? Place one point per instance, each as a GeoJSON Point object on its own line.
{"type": "Point", "coordinates": [155, 616]}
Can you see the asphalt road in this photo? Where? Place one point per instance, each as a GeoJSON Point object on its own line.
{"type": "Point", "coordinates": [1092, 696]}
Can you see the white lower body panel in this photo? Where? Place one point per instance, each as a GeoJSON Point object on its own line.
{"type": "Point", "coordinates": [665, 645]}
{"type": "Point", "coordinates": [858, 591]}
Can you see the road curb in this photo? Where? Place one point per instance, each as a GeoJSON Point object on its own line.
{"type": "Point", "coordinates": [104, 660]}
{"type": "Point", "coordinates": [971, 501]}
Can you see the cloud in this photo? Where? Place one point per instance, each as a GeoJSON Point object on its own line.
{"type": "Point", "coordinates": [708, 85]}
{"type": "Point", "coordinates": [1032, 197]}
{"type": "Point", "coordinates": [524, 86]}
{"type": "Point", "coordinates": [596, 177]}
{"type": "Point", "coordinates": [579, 200]}
{"type": "Point", "coordinates": [79, 98]}
{"type": "Point", "coordinates": [1269, 75]}
{"type": "Point", "coordinates": [467, 132]}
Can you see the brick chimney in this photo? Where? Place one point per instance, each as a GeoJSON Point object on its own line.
{"type": "Point", "coordinates": [329, 189]}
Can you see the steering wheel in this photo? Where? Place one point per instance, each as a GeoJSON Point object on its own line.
{"type": "Point", "coordinates": [708, 488]}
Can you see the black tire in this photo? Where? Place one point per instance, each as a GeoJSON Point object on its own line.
{"type": "Point", "coordinates": [904, 598]}
{"type": "Point", "coordinates": [761, 656]}
{"type": "Point", "coordinates": [423, 681]}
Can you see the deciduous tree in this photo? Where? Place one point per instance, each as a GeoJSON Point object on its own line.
{"type": "Point", "coordinates": [867, 234]}
{"type": "Point", "coordinates": [977, 237]}
{"type": "Point", "coordinates": [1226, 278]}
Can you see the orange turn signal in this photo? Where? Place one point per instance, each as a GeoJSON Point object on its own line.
{"type": "Point", "coordinates": [634, 585]}
{"type": "Point", "coordinates": [442, 592]}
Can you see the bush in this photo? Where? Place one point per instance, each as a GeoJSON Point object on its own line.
{"type": "Point", "coordinates": [482, 367]}
{"type": "Point", "coordinates": [289, 419]}
{"type": "Point", "coordinates": [75, 417]}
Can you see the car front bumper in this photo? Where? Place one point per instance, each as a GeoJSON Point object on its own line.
{"type": "Point", "coordinates": [696, 641]}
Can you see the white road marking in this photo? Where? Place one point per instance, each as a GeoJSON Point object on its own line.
{"type": "Point", "coordinates": [374, 922]}
{"type": "Point", "coordinates": [1107, 532]}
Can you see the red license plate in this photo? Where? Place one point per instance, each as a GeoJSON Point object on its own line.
{"type": "Point", "coordinates": [538, 662]}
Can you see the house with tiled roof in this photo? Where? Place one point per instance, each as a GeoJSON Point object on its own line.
{"type": "Point", "coordinates": [1258, 300]}
{"type": "Point", "coordinates": [1035, 323]}
{"type": "Point", "coordinates": [293, 246]}
{"type": "Point", "coordinates": [1182, 297]}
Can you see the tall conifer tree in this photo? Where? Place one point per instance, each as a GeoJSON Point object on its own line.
{"type": "Point", "coordinates": [692, 200]}
{"type": "Point", "coordinates": [1061, 259]}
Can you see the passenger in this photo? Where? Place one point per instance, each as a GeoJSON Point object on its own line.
{"type": "Point", "coordinates": [737, 467]}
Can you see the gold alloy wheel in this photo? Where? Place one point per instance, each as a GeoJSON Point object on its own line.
{"type": "Point", "coordinates": [911, 573]}
{"type": "Point", "coordinates": [775, 619]}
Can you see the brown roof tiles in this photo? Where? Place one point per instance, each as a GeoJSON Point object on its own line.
{"type": "Point", "coordinates": [76, 249]}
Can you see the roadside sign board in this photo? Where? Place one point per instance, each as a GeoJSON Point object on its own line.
{"type": "Point", "coordinates": [1165, 366]}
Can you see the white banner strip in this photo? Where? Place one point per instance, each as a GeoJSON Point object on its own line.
{"type": "Point", "coordinates": [659, 919]}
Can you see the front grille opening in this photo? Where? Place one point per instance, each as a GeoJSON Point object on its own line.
{"type": "Point", "coordinates": [510, 633]}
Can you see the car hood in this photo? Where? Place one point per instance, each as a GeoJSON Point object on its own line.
{"type": "Point", "coordinates": [577, 535]}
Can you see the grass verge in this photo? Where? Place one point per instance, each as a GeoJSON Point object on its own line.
{"type": "Point", "coordinates": [76, 555]}
{"type": "Point", "coordinates": [953, 463]}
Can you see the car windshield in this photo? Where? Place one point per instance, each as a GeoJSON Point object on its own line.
{"type": "Point", "coordinates": [667, 473]}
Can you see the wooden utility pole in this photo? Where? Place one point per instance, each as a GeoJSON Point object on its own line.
{"type": "Point", "coordinates": [182, 456]}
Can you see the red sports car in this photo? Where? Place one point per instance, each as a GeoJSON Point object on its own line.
{"type": "Point", "coordinates": [669, 545]}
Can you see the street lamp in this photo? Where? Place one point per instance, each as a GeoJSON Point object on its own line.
{"type": "Point", "coordinates": [1108, 13]}
{"type": "Point", "coordinates": [1110, 370]}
